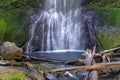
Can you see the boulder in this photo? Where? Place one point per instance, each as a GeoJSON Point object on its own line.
{"type": "Point", "coordinates": [10, 51]}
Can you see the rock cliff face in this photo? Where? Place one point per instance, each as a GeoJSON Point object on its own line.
{"type": "Point", "coordinates": [10, 51]}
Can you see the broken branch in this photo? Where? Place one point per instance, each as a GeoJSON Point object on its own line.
{"type": "Point", "coordinates": [110, 50]}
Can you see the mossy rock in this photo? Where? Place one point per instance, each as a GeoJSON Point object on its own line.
{"type": "Point", "coordinates": [109, 37]}
{"type": "Point", "coordinates": [11, 51]}
{"type": "Point", "coordinates": [12, 74]}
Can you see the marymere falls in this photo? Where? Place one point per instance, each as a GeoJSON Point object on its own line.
{"type": "Point", "coordinates": [61, 26]}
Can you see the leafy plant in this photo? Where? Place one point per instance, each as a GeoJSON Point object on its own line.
{"type": "Point", "coordinates": [10, 4]}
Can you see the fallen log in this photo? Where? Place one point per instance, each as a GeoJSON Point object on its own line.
{"type": "Point", "coordinates": [97, 66]}
{"type": "Point", "coordinates": [42, 59]}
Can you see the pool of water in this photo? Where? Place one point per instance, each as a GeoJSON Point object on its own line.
{"type": "Point", "coordinates": [61, 55]}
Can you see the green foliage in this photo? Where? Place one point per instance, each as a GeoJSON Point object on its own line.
{"type": "Point", "coordinates": [13, 74]}
{"type": "Point", "coordinates": [110, 16]}
{"type": "Point", "coordinates": [13, 27]}
{"type": "Point", "coordinates": [2, 27]}
{"type": "Point", "coordinates": [105, 3]}
{"type": "Point", "coordinates": [15, 77]}
{"type": "Point", "coordinates": [19, 4]}
{"type": "Point", "coordinates": [12, 4]}
{"type": "Point", "coordinates": [113, 16]}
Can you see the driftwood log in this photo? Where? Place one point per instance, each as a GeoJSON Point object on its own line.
{"type": "Point", "coordinates": [110, 51]}
{"type": "Point", "coordinates": [91, 67]}
{"type": "Point", "coordinates": [40, 59]}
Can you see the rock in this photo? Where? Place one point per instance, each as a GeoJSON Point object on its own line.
{"type": "Point", "coordinates": [3, 62]}
{"type": "Point", "coordinates": [10, 51]}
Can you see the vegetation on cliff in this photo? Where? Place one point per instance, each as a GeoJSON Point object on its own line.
{"type": "Point", "coordinates": [13, 25]}
{"type": "Point", "coordinates": [108, 18]}
{"type": "Point", "coordinates": [107, 10]}
{"type": "Point", "coordinates": [105, 3]}
{"type": "Point", "coordinates": [13, 4]}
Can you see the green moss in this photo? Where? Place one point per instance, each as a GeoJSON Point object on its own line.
{"type": "Point", "coordinates": [15, 77]}
{"type": "Point", "coordinates": [12, 74]}
{"type": "Point", "coordinates": [13, 27]}
{"type": "Point", "coordinates": [109, 38]}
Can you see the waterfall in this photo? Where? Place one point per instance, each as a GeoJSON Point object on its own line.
{"type": "Point", "coordinates": [57, 27]}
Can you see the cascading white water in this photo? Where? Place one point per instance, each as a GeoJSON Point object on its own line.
{"type": "Point", "coordinates": [57, 27]}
